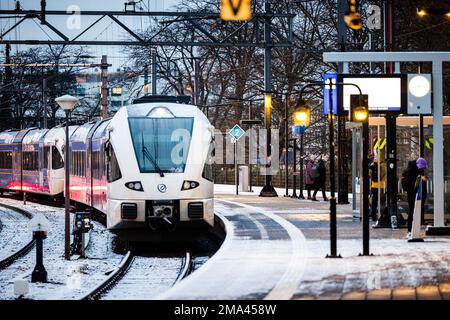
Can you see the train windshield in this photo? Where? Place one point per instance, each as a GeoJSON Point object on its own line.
{"type": "Point", "coordinates": [161, 144]}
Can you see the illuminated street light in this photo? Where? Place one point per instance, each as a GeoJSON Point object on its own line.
{"type": "Point", "coordinates": [360, 114]}
{"type": "Point", "coordinates": [268, 101]}
{"type": "Point", "coordinates": [302, 116]}
{"type": "Point", "coordinates": [421, 12]}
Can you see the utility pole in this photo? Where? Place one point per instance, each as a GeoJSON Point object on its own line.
{"type": "Point", "coordinates": [268, 189]}
{"type": "Point", "coordinates": [154, 72]}
{"type": "Point", "coordinates": [146, 79]}
{"type": "Point", "coordinates": [196, 81]}
{"type": "Point", "coordinates": [342, 6]}
{"type": "Point", "coordinates": [7, 96]}
{"type": "Point", "coordinates": [44, 101]}
{"type": "Point", "coordinates": [104, 104]}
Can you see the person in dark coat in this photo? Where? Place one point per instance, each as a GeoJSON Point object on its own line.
{"type": "Point", "coordinates": [309, 180]}
{"type": "Point", "coordinates": [410, 184]}
{"type": "Point", "coordinates": [319, 181]}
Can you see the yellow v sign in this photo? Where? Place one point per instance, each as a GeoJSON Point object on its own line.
{"type": "Point", "coordinates": [235, 10]}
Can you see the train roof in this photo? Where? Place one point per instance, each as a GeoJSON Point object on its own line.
{"type": "Point", "coordinates": [82, 132]}
{"type": "Point", "coordinates": [58, 133]}
{"type": "Point", "coordinates": [8, 136]}
{"type": "Point", "coordinates": [101, 129]}
{"type": "Point", "coordinates": [34, 136]}
{"type": "Point", "coordinates": [175, 109]}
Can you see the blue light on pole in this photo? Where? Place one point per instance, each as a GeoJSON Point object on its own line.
{"type": "Point", "coordinates": [326, 95]}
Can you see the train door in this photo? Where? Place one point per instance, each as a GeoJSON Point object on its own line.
{"type": "Point", "coordinates": [46, 161]}
{"type": "Point", "coordinates": [88, 174]}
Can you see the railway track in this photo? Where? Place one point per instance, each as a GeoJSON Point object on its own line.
{"type": "Point", "coordinates": [13, 241]}
{"type": "Point", "coordinates": [140, 278]}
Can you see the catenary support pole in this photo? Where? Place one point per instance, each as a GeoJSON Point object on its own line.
{"type": "Point", "coordinates": [104, 104]}
{"type": "Point", "coordinates": [268, 189]}
{"type": "Point", "coordinates": [44, 101]}
{"type": "Point", "coordinates": [342, 6]}
{"type": "Point", "coordinates": [154, 75]}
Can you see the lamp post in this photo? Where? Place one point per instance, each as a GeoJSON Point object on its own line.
{"type": "Point", "coordinates": [302, 119]}
{"type": "Point", "coordinates": [359, 113]}
{"type": "Point", "coordinates": [67, 103]}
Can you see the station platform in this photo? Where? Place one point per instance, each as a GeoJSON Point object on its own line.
{"type": "Point", "coordinates": [275, 248]}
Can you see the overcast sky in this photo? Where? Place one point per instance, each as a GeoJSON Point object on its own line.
{"type": "Point", "coordinates": [105, 30]}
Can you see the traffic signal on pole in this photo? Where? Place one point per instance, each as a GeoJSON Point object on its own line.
{"type": "Point", "coordinates": [359, 108]}
{"type": "Point", "coordinates": [353, 18]}
{"type": "Point", "coordinates": [235, 10]}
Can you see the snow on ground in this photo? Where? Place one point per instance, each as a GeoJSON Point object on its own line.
{"type": "Point", "coordinates": [146, 278]}
{"type": "Point", "coordinates": [14, 233]}
{"type": "Point", "coordinates": [395, 262]}
{"type": "Point", "coordinates": [66, 279]}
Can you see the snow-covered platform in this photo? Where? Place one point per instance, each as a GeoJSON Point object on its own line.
{"type": "Point", "coordinates": [275, 249]}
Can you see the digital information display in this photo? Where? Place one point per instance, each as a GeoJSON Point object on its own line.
{"type": "Point", "coordinates": [387, 93]}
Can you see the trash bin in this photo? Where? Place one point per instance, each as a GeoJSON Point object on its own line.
{"type": "Point", "coordinates": [243, 179]}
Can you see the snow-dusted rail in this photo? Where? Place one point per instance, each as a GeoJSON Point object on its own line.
{"type": "Point", "coordinates": [139, 277]}
{"type": "Point", "coordinates": [23, 250]}
{"type": "Point", "coordinates": [112, 279]}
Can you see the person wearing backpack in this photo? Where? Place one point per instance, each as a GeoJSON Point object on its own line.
{"type": "Point", "coordinates": [309, 179]}
{"type": "Point", "coordinates": [319, 174]}
{"type": "Point", "coordinates": [376, 186]}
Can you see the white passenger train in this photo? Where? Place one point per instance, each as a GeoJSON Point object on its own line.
{"type": "Point", "coordinates": [148, 166]}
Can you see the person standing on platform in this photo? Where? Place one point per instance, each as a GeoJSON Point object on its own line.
{"type": "Point", "coordinates": [309, 180]}
{"type": "Point", "coordinates": [320, 180]}
{"type": "Point", "coordinates": [411, 177]}
{"type": "Point", "coordinates": [376, 186]}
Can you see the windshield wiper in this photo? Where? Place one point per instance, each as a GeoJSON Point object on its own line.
{"type": "Point", "coordinates": [152, 160]}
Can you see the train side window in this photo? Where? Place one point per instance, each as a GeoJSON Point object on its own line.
{"type": "Point", "coordinates": [208, 167]}
{"type": "Point", "coordinates": [114, 173]}
{"type": "Point", "coordinates": [5, 160]}
{"type": "Point", "coordinates": [46, 156]}
{"type": "Point", "coordinates": [30, 160]}
{"type": "Point", "coordinates": [96, 165]}
{"type": "Point", "coordinates": [57, 160]}
{"type": "Point", "coordinates": [83, 163]}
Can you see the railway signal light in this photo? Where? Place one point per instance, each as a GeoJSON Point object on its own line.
{"type": "Point", "coordinates": [235, 10]}
{"type": "Point", "coordinates": [353, 18]}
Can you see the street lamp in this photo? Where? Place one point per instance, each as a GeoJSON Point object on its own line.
{"type": "Point", "coordinates": [359, 113]}
{"type": "Point", "coordinates": [67, 103]}
{"type": "Point", "coordinates": [422, 12]}
{"type": "Point", "coordinates": [302, 120]}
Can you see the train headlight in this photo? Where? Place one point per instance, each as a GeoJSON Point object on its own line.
{"type": "Point", "coordinates": [189, 185]}
{"type": "Point", "coordinates": [135, 185]}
